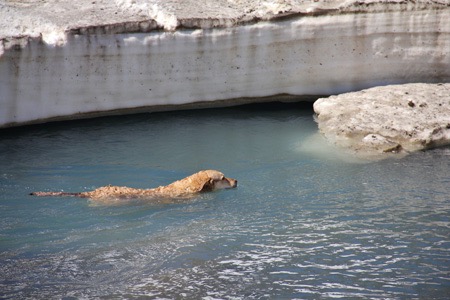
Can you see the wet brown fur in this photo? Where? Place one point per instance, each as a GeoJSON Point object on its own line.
{"type": "Point", "coordinates": [203, 181]}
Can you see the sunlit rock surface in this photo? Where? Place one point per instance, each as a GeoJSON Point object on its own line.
{"type": "Point", "coordinates": [73, 59]}
{"type": "Point", "coordinates": [386, 121]}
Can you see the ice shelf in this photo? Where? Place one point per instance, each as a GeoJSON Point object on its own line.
{"type": "Point", "coordinates": [74, 59]}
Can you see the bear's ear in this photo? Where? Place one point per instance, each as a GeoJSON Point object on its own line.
{"type": "Point", "coordinates": [207, 186]}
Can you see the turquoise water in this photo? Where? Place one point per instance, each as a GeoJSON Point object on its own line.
{"type": "Point", "coordinates": [304, 223]}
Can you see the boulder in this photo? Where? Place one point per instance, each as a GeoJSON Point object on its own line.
{"type": "Point", "coordinates": [387, 120]}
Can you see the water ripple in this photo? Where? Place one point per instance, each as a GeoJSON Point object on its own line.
{"type": "Point", "coordinates": [297, 227]}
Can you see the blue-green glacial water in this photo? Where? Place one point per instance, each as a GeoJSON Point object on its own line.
{"type": "Point", "coordinates": [304, 223]}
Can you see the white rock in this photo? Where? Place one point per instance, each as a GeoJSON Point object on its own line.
{"type": "Point", "coordinates": [391, 119]}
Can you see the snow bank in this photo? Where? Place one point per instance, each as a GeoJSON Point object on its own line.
{"type": "Point", "coordinates": [92, 70]}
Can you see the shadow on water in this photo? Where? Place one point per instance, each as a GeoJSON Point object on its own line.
{"type": "Point", "coordinates": [305, 222]}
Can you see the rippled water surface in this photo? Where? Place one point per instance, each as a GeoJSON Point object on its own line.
{"type": "Point", "coordinates": [304, 223]}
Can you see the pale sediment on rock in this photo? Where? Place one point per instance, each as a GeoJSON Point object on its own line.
{"type": "Point", "coordinates": [71, 59]}
{"type": "Point", "coordinates": [395, 119]}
